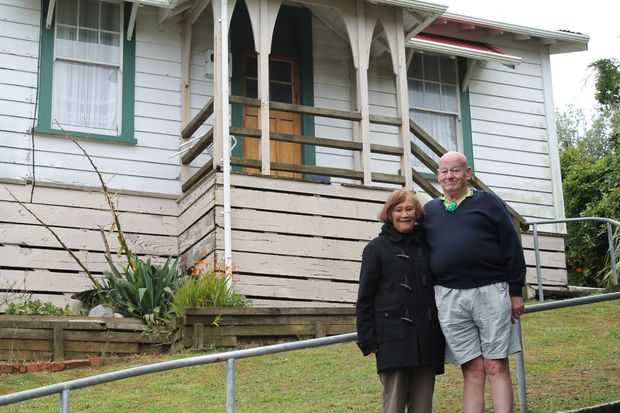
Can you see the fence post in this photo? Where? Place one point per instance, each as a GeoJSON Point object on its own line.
{"type": "Point", "coordinates": [198, 336]}
{"type": "Point", "coordinates": [64, 401]}
{"type": "Point", "coordinates": [58, 343]}
{"type": "Point", "coordinates": [541, 296]}
{"type": "Point", "coordinates": [612, 255]}
{"type": "Point", "coordinates": [230, 386]}
{"type": "Point", "coordinates": [521, 372]}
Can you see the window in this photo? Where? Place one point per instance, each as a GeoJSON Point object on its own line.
{"type": "Point", "coordinates": [434, 101]}
{"type": "Point", "coordinates": [87, 72]}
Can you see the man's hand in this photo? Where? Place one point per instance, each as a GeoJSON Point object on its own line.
{"type": "Point", "coordinates": [517, 308]}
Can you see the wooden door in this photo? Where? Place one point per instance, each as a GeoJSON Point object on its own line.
{"type": "Point", "coordinates": [283, 87]}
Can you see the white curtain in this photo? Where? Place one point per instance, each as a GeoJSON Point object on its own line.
{"type": "Point", "coordinates": [441, 126]}
{"type": "Point", "coordinates": [86, 92]}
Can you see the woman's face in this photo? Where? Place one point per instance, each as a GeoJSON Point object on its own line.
{"type": "Point", "coordinates": [403, 216]}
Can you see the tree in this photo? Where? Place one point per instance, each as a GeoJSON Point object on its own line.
{"type": "Point", "coordinates": [590, 162]}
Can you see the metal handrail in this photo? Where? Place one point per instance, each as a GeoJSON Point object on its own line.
{"type": "Point", "coordinates": [229, 357]}
{"type": "Point", "coordinates": [610, 240]}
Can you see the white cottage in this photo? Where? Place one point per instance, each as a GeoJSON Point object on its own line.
{"type": "Point", "coordinates": [277, 157]}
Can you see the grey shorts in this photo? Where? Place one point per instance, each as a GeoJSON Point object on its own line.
{"type": "Point", "coordinates": [476, 322]}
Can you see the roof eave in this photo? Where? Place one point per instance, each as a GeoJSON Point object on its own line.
{"type": "Point", "coordinates": [426, 45]}
{"type": "Point", "coordinates": [559, 41]}
{"type": "Point", "coordinates": [414, 4]}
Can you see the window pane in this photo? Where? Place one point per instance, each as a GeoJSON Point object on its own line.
{"type": "Point", "coordinates": [66, 41]}
{"type": "Point", "coordinates": [251, 88]}
{"type": "Point", "coordinates": [251, 69]}
{"type": "Point", "coordinates": [281, 92]}
{"type": "Point", "coordinates": [89, 13]}
{"type": "Point", "coordinates": [85, 95]}
{"type": "Point", "coordinates": [449, 101]}
{"type": "Point", "coordinates": [110, 17]}
{"type": "Point", "coordinates": [110, 48]}
{"type": "Point", "coordinates": [89, 46]}
{"type": "Point", "coordinates": [416, 93]}
{"type": "Point", "coordinates": [66, 12]}
{"type": "Point", "coordinates": [432, 95]}
{"type": "Point", "coordinates": [448, 71]}
{"type": "Point", "coordinates": [431, 68]}
{"type": "Point", "coordinates": [441, 127]}
{"type": "Point", "coordinates": [415, 68]}
{"type": "Point", "coordinates": [281, 71]}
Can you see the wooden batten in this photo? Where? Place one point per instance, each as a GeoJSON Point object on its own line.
{"type": "Point", "coordinates": [32, 261]}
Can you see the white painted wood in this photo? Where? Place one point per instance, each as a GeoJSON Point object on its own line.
{"type": "Point", "coordinates": [309, 205]}
{"type": "Point", "coordinates": [83, 239]}
{"type": "Point", "coordinates": [90, 198]}
{"type": "Point", "coordinates": [300, 267]}
{"type": "Point", "coordinates": [46, 281]}
{"type": "Point", "coordinates": [292, 288]}
{"type": "Point", "coordinates": [554, 156]}
{"type": "Point", "coordinates": [91, 219]}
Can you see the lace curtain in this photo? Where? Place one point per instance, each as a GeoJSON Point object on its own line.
{"type": "Point", "coordinates": [86, 88]}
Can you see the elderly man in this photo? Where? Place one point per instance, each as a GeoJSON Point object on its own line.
{"type": "Point", "coordinates": [479, 269]}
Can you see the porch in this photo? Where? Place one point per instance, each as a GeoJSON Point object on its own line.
{"type": "Point", "coordinates": [297, 241]}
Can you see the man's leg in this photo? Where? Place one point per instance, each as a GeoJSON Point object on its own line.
{"type": "Point", "coordinates": [473, 387]}
{"type": "Point", "coordinates": [498, 372]}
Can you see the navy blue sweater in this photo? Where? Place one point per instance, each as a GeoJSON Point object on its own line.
{"type": "Point", "coordinates": [474, 245]}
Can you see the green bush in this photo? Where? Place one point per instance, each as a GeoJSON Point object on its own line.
{"type": "Point", "coordinates": [37, 307]}
{"type": "Point", "coordinates": [206, 288]}
{"type": "Point", "coordinates": [145, 292]}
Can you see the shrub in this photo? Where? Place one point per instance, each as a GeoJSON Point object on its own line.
{"type": "Point", "coordinates": [206, 286]}
{"type": "Point", "coordinates": [37, 307]}
{"type": "Point", "coordinates": [145, 291]}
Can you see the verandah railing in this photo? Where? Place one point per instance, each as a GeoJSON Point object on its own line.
{"type": "Point", "coordinates": [354, 174]}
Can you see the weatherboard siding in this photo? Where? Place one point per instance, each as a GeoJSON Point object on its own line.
{"type": "Point", "coordinates": [145, 166]}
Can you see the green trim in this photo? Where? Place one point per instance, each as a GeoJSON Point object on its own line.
{"type": "Point", "coordinates": [236, 87]}
{"type": "Point", "coordinates": [44, 120]}
{"type": "Point", "coordinates": [468, 147]}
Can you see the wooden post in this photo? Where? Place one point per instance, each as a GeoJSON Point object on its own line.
{"type": "Point", "coordinates": [402, 96]}
{"type": "Point", "coordinates": [363, 48]}
{"type": "Point", "coordinates": [198, 336]}
{"type": "Point", "coordinates": [58, 343]}
{"type": "Point", "coordinates": [319, 329]}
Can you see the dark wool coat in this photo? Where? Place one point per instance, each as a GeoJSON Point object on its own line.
{"type": "Point", "coordinates": [396, 312]}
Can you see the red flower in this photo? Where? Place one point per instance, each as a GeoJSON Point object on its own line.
{"type": "Point", "coordinates": [579, 269]}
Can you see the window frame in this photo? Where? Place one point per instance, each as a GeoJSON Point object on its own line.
{"type": "Point", "coordinates": [127, 73]}
{"type": "Point", "coordinates": [463, 116]}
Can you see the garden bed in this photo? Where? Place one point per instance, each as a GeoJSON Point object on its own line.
{"type": "Point", "coordinates": [46, 338]}
{"type": "Point", "coordinates": [232, 328]}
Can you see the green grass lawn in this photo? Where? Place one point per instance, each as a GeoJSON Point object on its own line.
{"type": "Point", "coordinates": [572, 360]}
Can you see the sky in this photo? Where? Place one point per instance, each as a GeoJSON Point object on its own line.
{"type": "Point", "coordinates": [573, 82]}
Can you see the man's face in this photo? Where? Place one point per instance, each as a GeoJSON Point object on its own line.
{"type": "Point", "coordinates": [453, 175]}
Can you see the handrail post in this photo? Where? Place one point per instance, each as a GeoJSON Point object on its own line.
{"type": "Point", "coordinates": [230, 386]}
{"type": "Point", "coordinates": [612, 255]}
{"type": "Point", "coordinates": [64, 401]}
{"type": "Point", "coordinates": [541, 296]}
{"type": "Point", "coordinates": [521, 372]}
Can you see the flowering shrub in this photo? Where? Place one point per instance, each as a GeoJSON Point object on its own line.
{"type": "Point", "coordinates": [207, 286]}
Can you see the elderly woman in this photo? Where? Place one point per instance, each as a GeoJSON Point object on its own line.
{"type": "Point", "coordinates": [396, 313]}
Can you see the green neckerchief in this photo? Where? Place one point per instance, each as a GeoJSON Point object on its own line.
{"type": "Point", "coordinates": [451, 205]}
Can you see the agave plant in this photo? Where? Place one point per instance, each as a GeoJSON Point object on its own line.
{"type": "Point", "coordinates": [145, 291]}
